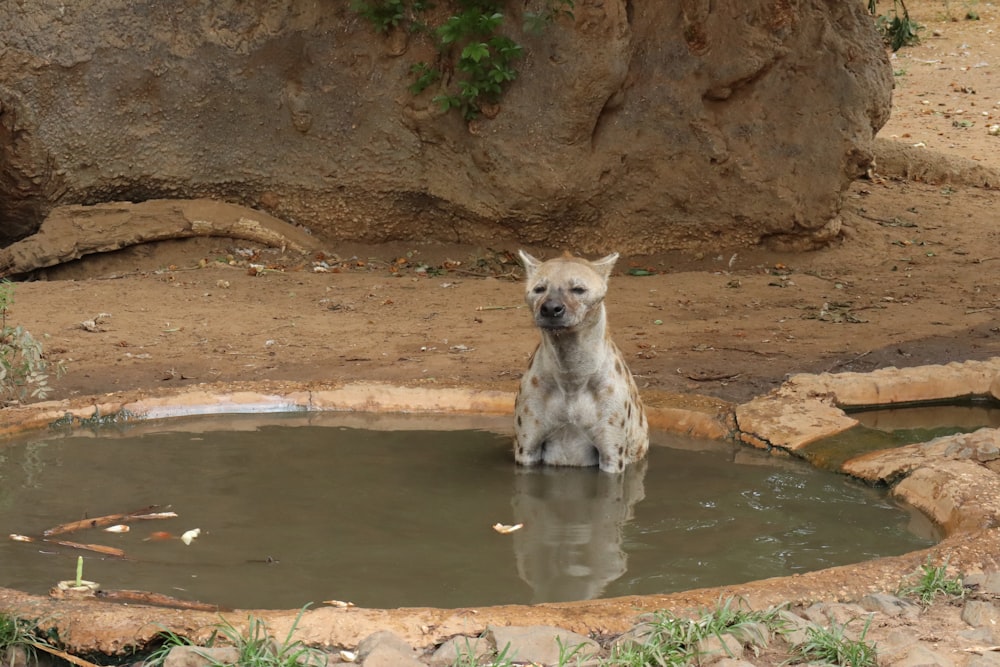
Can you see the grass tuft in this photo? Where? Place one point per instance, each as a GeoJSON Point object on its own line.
{"type": "Point", "coordinates": [674, 640]}
{"type": "Point", "coordinates": [933, 581]}
{"type": "Point", "coordinates": [833, 646]}
{"type": "Point", "coordinates": [256, 647]}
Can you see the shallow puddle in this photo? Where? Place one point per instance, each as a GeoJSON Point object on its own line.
{"type": "Point", "coordinates": [950, 417]}
{"type": "Point", "coordinates": [292, 513]}
{"type": "Point", "coordinates": [884, 428]}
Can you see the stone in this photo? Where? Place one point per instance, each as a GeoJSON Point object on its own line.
{"type": "Point", "coordinates": [887, 466]}
{"type": "Point", "coordinates": [755, 635]}
{"type": "Point", "coordinates": [789, 422]}
{"type": "Point", "coordinates": [981, 614]}
{"type": "Point", "coordinates": [540, 643]}
{"type": "Point", "coordinates": [15, 656]}
{"type": "Point", "coordinates": [920, 655]}
{"type": "Point", "coordinates": [632, 121]}
{"type": "Point", "coordinates": [391, 656]}
{"type": "Point", "coordinates": [886, 386]}
{"type": "Point", "coordinates": [986, 582]}
{"type": "Point", "coordinates": [890, 605]}
{"type": "Point", "coordinates": [712, 649]}
{"type": "Point", "coordinates": [796, 628]}
{"type": "Point", "coordinates": [383, 639]}
{"type": "Point", "coordinates": [987, 659]}
{"type": "Point", "coordinates": [995, 387]}
{"type": "Point", "coordinates": [198, 656]}
{"type": "Point", "coordinates": [449, 652]}
{"type": "Point", "coordinates": [957, 495]}
{"type": "Point", "coordinates": [838, 613]}
{"type": "Point", "coordinates": [983, 636]}
{"type": "Point", "coordinates": [895, 646]}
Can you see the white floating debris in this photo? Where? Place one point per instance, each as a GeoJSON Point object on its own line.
{"type": "Point", "coordinates": [189, 537]}
{"type": "Point", "coordinates": [20, 538]}
{"type": "Point", "coordinates": [348, 656]}
{"type": "Point", "coordinates": [156, 515]}
{"type": "Point", "coordinates": [120, 528]}
{"type": "Point", "coordinates": [338, 603]}
{"type": "Point", "coordinates": [505, 529]}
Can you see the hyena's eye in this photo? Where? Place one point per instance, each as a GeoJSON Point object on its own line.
{"type": "Point", "coordinates": [578, 290]}
{"type": "Point", "coordinates": [538, 289]}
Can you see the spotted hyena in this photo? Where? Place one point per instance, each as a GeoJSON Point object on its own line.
{"type": "Point", "coordinates": [578, 404]}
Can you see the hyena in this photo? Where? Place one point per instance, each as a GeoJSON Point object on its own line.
{"type": "Point", "coordinates": [578, 404]}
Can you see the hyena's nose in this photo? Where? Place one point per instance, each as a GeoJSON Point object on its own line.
{"type": "Point", "coordinates": [553, 308]}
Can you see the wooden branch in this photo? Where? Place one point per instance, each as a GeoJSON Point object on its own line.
{"type": "Point", "coordinates": [97, 548]}
{"type": "Point", "coordinates": [68, 657]}
{"type": "Point", "coordinates": [70, 232]}
{"type": "Point", "coordinates": [101, 521]}
{"type": "Point", "coordinates": [155, 599]}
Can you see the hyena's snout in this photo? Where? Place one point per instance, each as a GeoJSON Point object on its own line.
{"type": "Point", "coordinates": [552, 309]}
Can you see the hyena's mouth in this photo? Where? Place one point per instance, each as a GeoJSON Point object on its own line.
{"type": "Point", "coordinates": [553, 324]}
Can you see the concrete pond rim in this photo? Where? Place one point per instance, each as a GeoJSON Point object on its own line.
{"type": "Point", "coordinates": [954, 480]}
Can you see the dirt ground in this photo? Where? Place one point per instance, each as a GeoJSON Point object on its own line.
{"type": "Point", "coordinates": [914, 280]}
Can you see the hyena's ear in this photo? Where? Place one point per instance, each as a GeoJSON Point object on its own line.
{"type": "Point", "coordinates": [604, 265]}
{"type": "Point", "coordinates": [530, 263]}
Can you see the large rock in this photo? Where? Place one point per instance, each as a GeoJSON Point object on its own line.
{"type": "Point", "coordinates": [633, 126]}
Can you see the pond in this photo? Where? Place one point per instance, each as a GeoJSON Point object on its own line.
{"type": "Point", "coordinates": [399, 511]}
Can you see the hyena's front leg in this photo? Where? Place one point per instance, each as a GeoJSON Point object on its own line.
{"type": "Point", "coordinates": [620, 434]}
{"type": "Point", "coordinates": [611, 446]}
{"type": "Point", "coordinates": [529, 438]}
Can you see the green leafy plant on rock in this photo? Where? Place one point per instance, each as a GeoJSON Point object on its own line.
{"type": "Point", "coordinates": [24, 371]}
{"type": "Point", "coordinates": [384, 15]}
{"type": "Point", "coordinates": [476, 59]}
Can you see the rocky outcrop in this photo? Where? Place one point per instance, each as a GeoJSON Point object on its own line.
{"type": "Point", "coordinates": [633, 126]}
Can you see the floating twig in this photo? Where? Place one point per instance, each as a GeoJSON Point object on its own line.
{"type": "Point", "coordinates": [156, 599]}
{"type": "Point", "coordinates": [97, 548]}
{"type": "Point", "coordinates": [109, 519]}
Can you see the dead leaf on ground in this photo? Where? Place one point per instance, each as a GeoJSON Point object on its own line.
{"type": "Point", "coordinates": [94, 325]}
{"type": "Point", "coordinates": [835, 312]}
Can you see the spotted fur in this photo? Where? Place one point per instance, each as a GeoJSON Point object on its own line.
{"type": "Point", "coordinates": [578, 404]}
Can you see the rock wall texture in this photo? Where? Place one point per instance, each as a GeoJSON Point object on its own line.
{"type": "Point", "coordinates": [634, 126]}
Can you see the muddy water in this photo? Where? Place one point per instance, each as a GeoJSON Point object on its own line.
{"type": "Point", "coordinates": [884, 428]}
{"type": "Point", "coordinates": [292, 512]}
{"type": "Point", "coordinates": [945, 419]}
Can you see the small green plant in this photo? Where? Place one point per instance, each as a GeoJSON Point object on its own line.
{"type": "Point", "coordinates": [487, 67]}
{"type": "Point", "coordinates": [426, 77]}
{"type": "Point", "coordinates": [537, 22]}
{"type": "Point", "coordinates": [674, 640]}
{"type": "Point", "coordinates": [18, 633]}
{"type": "Point", "coordinates": [933, 581]}
{"type": "Point", "coordinates": [476, 60]}
{"type": "Point", "coordinates": [257, 647]}
{"type": "Point", "coordinates": [23, 367]}
{"type": "Point", "coordinates": [468, 658]}
{"type": "Point", "coordinates": [896, 26]}
{"type": "Point", "coordinates": [832, 646]}
{"type": "Point", "coordinates": [383, 14]}
{"type": "Point", "coordinates": [574, 653]}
